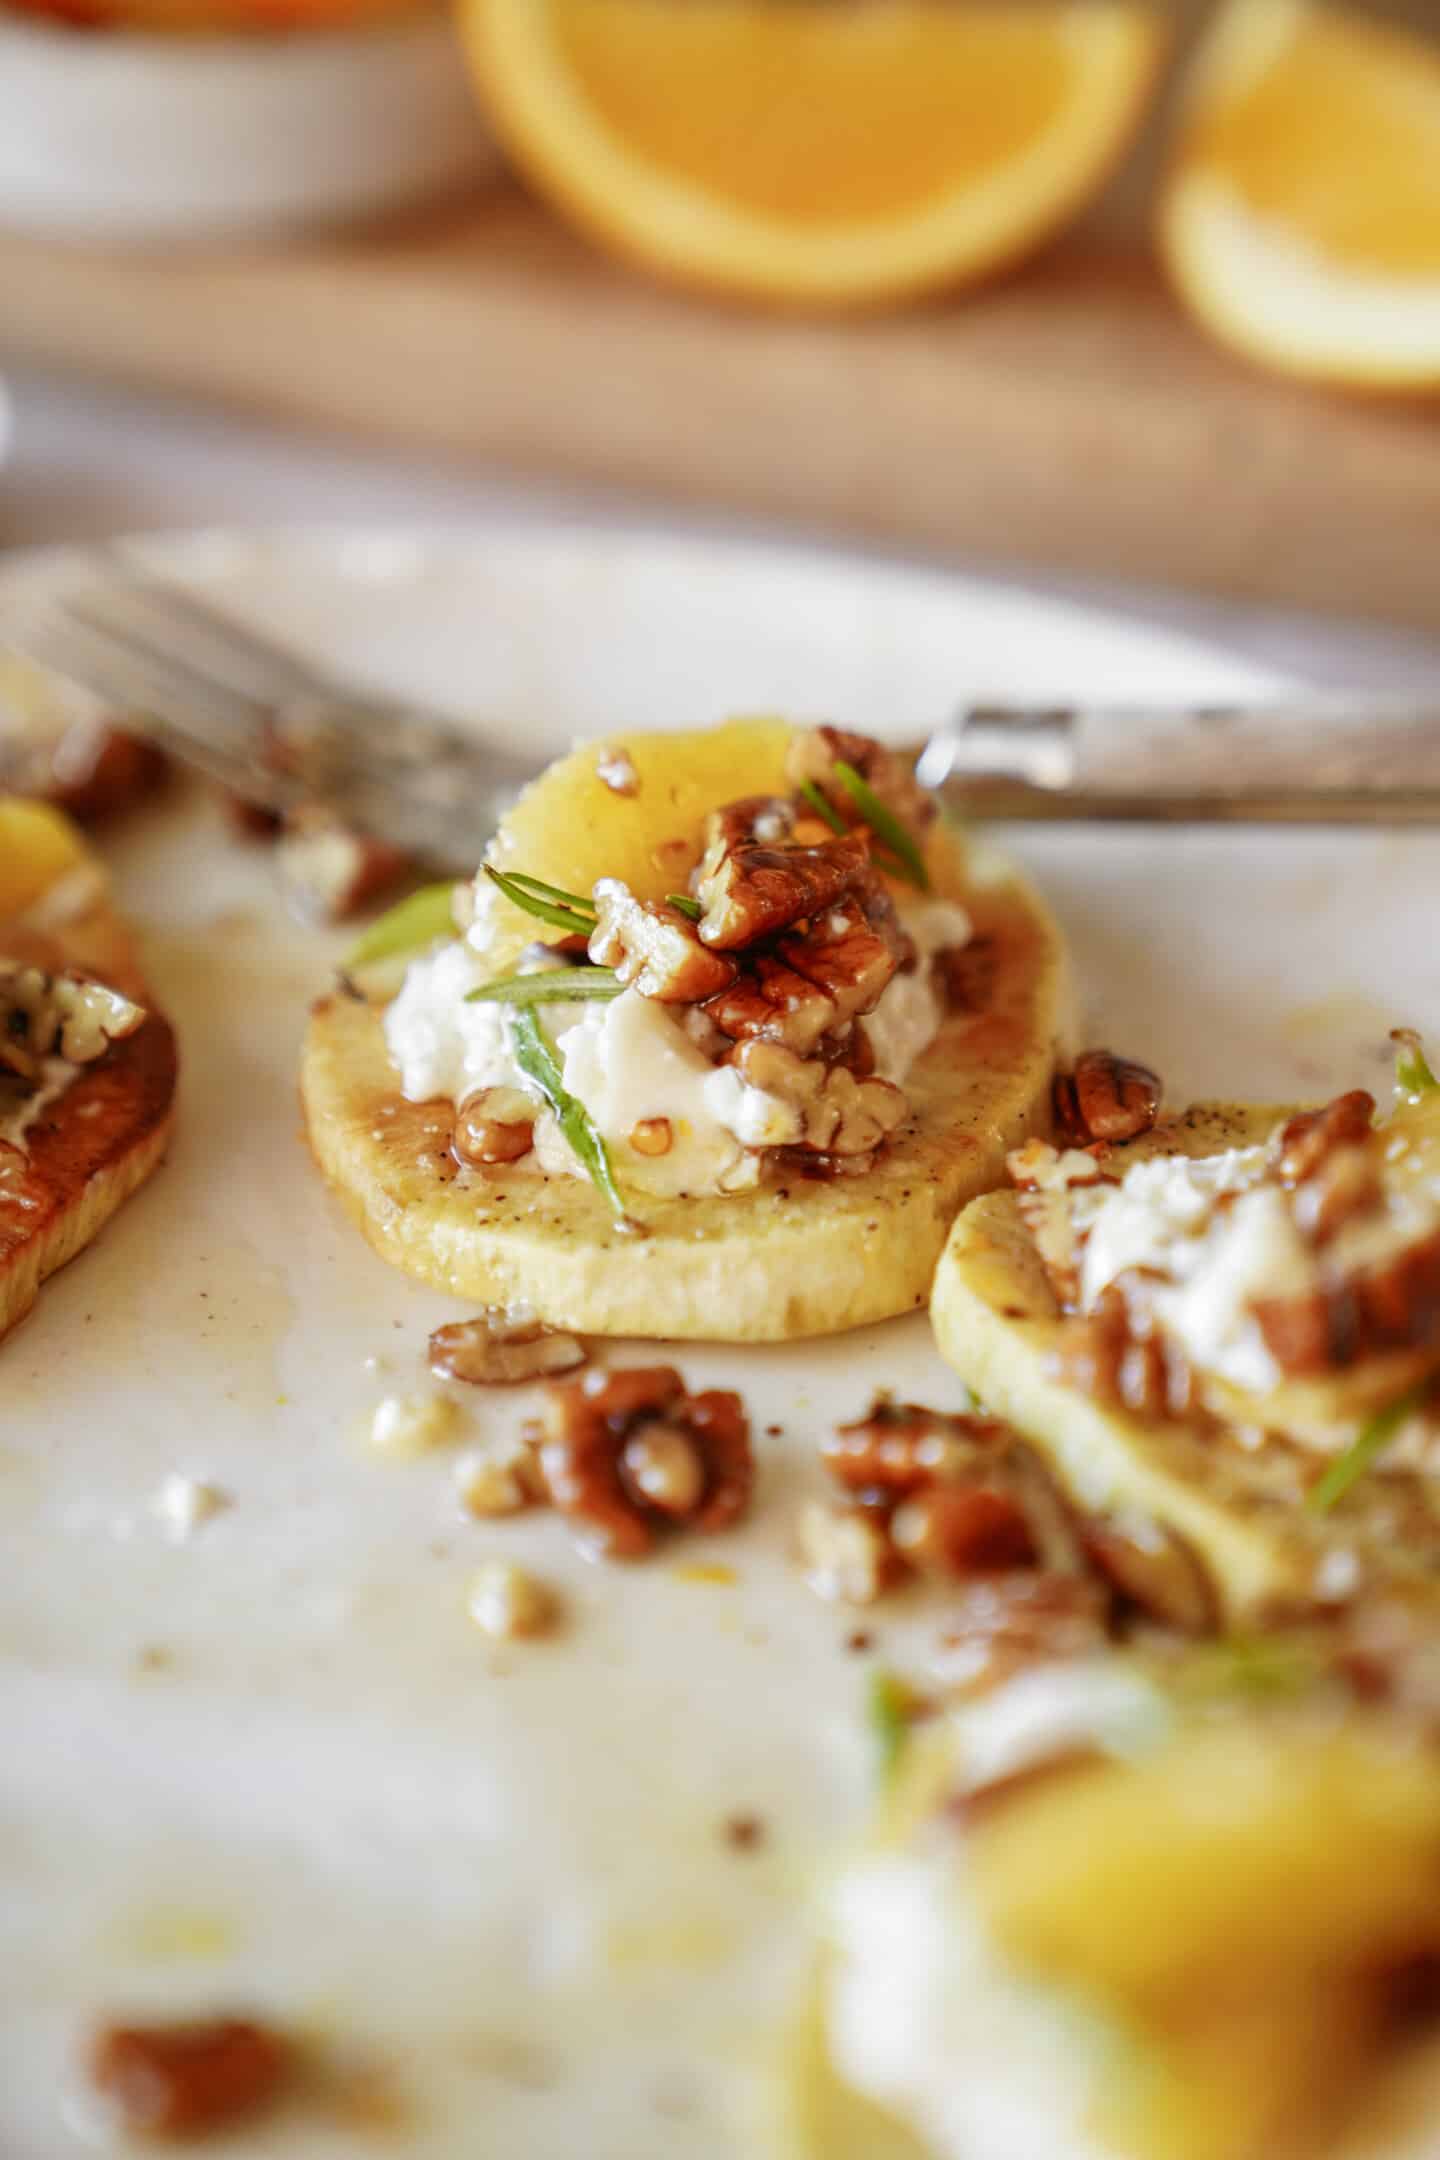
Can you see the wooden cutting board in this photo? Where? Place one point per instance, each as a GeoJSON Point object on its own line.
{"type": "Point", "coordinates": [1070, 419]}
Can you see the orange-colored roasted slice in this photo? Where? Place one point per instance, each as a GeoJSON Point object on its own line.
{"type": "Point", "coordinates": [816, 153]}
{"type": "Point", "coordinates": [1301, 217]}
{"type": "Point", "coordinates": [87, 1151]}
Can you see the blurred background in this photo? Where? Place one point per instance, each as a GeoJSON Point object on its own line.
{"type": "Point", "coordinates": [1098, 288]}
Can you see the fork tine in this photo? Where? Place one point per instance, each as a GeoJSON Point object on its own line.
{"type": "Point", "coordinates": [238, 709]}
{"type": "Point", "coordinates": [255, 660]}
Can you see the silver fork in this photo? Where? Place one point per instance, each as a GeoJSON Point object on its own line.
{"type": "Point", "coordinates": [268, 725]}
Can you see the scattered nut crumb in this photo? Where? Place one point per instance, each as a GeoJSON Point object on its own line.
{"type": "Point", "coordinates": [509, 1603]}
{"type": "Point", "coordinates": [500, 1478]}
{"type": "Point", "coordinates": [185, 2080]}
{"type": "Point", "coordinates": [744, 1833]}
{"type": "Point", "coordinates": [181, 1504]}
{"type": "Point", "coordinates": [845, 1553]}
{"type": "Point", "coordinates": [405, 1426]}
{"type": "Point", "coordinates": [859, 1640]}
{"type": "Point", "coordinates": [615, 769]}
{"type": "Point", "coordinates": [154, 1657]}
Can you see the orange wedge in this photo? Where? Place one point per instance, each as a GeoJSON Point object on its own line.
{"type": "Point", "coordinates": [1301, 217]}
{"type": "Point", "coordinates": [820, 152]}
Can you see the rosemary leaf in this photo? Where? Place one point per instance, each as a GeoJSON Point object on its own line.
{"type": "Point", "coordinates": [823, 807]}
{"type": "Point", "coordinates": [577, 901]}
{"type": "Point", "coordinates": [535, 1057]}
{"type": "Point", "coordinates": [411, 924]}
{"type": "Point", "coordinates": [565, 917]}
{"type": "Point", "coordinates": [1370, 1442]}
{"type": "Point", "coordinates": [888, 1711]}
{"type": "Point", "coordinates": [687, 907]}
{"type": "Point", "coordinates": [884, 824]}
{"type": "Point", "coordinates": [549, 986]}
{"type": "Point", "coordinates": [1412, 1068]}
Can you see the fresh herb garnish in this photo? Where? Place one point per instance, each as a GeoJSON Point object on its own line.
{"type": "Point", "coordinates": [548, 986]}
{"type": "Point", "coordinates": [1371, 1441]}
{"type": "Point", "coordinates": [414, 922]}
{"type": "Point", "coordinates": [684, 905]}
{"type": "Point", "coordinates": [535, 1056]}
{"type": "Point", "coordinates": [567, 911]}
{"type": "Point", "coordinates": [884, 824]}
{"type": "Point", "coordinates": [1412, 1068]}
{"type": "Point", "coordinates": [823, 808]}
{"type": "Point", "coordinates": [889, 1710]}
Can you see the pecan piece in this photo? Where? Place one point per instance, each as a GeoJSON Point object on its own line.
{"type": "Point", "coordinates": [1155, 1570]}
{"type": "Point", "coordinates": [813, 755]}
{"type": "Point", "coordinates": [846, 957]}
{"type": "Point", "coordinates": [1304, 1143]}
{"type": "Point", "coordinates": [1393, 1306]}
{"type": "Point", "coordinates": [771, 1003]}
{"type": "Point", "coordinates": [653, 949]}
{"type": "Point", "coordinates": [97, 771]}
{"type": "Point", "coordinates": [841, 1116]}
{"type": "Point", "coordinates": [1006, 1622]}
{"type": "Point", "coordinates": [845, 1553]}
{"type": "Point", "coordinates": [898, 1449]}
{"type": "Point", "coordinates": [625, 1452]}
{"type": "Point", "coordinates": [500, 1346]}
{"type": "Point", "coordinates": [749, 889]}
{"type": "Point", "coordinates": [184, 2080]}
{"type": "Point", "coordinates": [1106, 1098]}
{"type": "Point", "coordinates": [1044, 1179]}
{"type": "Point", "coordinates": [328, 870]}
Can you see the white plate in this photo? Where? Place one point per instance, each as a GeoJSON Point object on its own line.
{"type": "Point", "coordinates": [135, 137]}
{"type": "Point", "coordinates": [502, 1872]}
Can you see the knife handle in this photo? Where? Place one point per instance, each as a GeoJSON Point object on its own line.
{"type": "Point", "coordinates": [1320, 760]}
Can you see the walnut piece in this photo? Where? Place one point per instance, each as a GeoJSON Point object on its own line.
{"type": "Point", "coordinates": [625, 1452]}
{"type": "Point", "coordinates": [750, 889]}
{"type": "Point", "coordinates": [842, 1116]}
{"type": "Point", "coordinates": [1106, 1098]}
{"type": "Point", "coordinates": [69, 1016]}
{"type": "Point", "coordinates": [493, 1125]}
{"type": "Point", "coordinates": [653, 948]}
{"type": "Point", "coordinates": [185, 2080]}
{"type": "Point", "coordinates": [813, 755]}
{"type": "Point", "coordinates": [500, 1346]}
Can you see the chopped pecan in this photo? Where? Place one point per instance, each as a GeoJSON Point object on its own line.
{"type": "Point", "coordinates": [1155, 1570]}
{"type": "Point", "coordinates": [1391, 1306]}
{"type": "Point", "coordinates": [964, 1530]}
{"type": "Point", "coordinates": [1103, 1357]}
{"type": "Point", "coordinates": [654, 949]}
{"type": "Point", "coordinates": [625, 1452]}
{"type": "Point", "coordinates": [813, 755]}
{"type": "Point", "coordinates": [1346, 1185]}
{"type": "Point", "coordinates": [898, 1449]}
{"type": "Point", "coordinates": [1303, 1144]}
{"type": "Point", "coordinates": [69, 1015]}
{"type": "Point", "coordinates": [846, 1553]}
{"type": "Point", "coordinates": [841, 1115]}
{"type": "Point", "coordinates": [844, 955]}
{"type": "Point", "coordinates": [771, 1003]}
{"type": "Point", "coordinates": [328, 870]}
{"type": "Point", "coordinates": [493, 1125]}
{"type": "Point", "coordinates": [500, 1346]}
{"type": "Point", "coordinates": [1105, 1098]}
{"type": "Point", "coordinates": [750, 889]}
{"type": "Point", "coordinates": [184, 2080]}
{"type": "Point", "coordinates": [1044, 1179]}
{"type": "Point", "coordinates": [97, 771]}
{"type": "Point", "coordinates": [1006, 1622]}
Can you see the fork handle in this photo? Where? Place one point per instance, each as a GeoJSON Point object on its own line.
{"type": "Point", "coordinates": [1322, 760]}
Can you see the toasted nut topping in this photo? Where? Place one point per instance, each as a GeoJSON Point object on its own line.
{"type": "Point", "coordinates": [653, 948]}
{"type": "Point", "coordinates": [1305, 1144]}
{"type": "Point", "coordinates": [509, 1604]}
{"type": "Point", "coordinates": [846, 1553]}
{"type": "Point", "coordinates": [1004, 1623]}
{"type": "Point", "coordinates": [1106, 1098]}
{"type": "Point", "coordinates": [328, 870]}
{"type": "Point", "coordinates": [1155, 1570]}
{"type": "Point", "coordinates": [68, 1016]}
{"type": "Point", "coordinates": [406, 1426]}
{"type": "Point", "coordinates": [964, 1530]}
{"type": "Point", "coordinates": [500, 1346]}
{"type": "Point", "coordinates": [840, 1115]}
{"type": "Point", "coordinates": [662, 1463]}
{"type": "Point", "coordinates": [615, 769]}
{"type": "Point", "coordinates": [652, 1136]}
{"type": "Point", "coordinates": [500, 1478]}
{"type": "Point", "coordinates": [494, 1125]}
{"type": "Point", "coordinates": [177, 2081]}
{"type": "Point", "coordinates": [749, 890]}
{"type": "Point", "coordinates": [596, 1479]}
{"type": "Point", "coordinates": [813, 754]}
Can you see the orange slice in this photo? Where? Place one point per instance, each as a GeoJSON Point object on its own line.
{"type": "Point", "coordinates": [1301, 218]}
{"type": "Point", "coordinates": [814, 152]}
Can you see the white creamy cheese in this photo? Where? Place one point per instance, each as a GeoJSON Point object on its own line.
{"type": "Point", "coordinates": [630, 1061]}
{"type": "Point", "coordinates": [56, 1076]}
{"type": "Point", "coordinates": [1163, 1217]}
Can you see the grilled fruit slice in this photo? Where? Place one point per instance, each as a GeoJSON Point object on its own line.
{"type": "Point", "coordinates": [1240, 1510]}
{"type": "Point", "coordinates": [793, 1258]}
{"type": "Point", "coordinates": [89, 1149]}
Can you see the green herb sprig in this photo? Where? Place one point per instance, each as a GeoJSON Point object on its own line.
{"type": "Point", "coordinates": [549, 986]}
{"type": "Point", "coordinates": [823, 808]}
{"type": "Point", "coordinates": [1370, 1442]}
{"type": "Point", "coordinates": [684, 905]}
{"type": "Point", "coordinates": [535, 1056]}
{"type": "Point", "coordinates": [886, 827]}
{"type": "Point", "coordinates": [413, 923]}
{"type": "Point", "coordinates": [889, 1709]}
{"type": "Point", "coordinates": [566, 911]}
{"type": "Point", "coordinates": [1412, 1068]}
